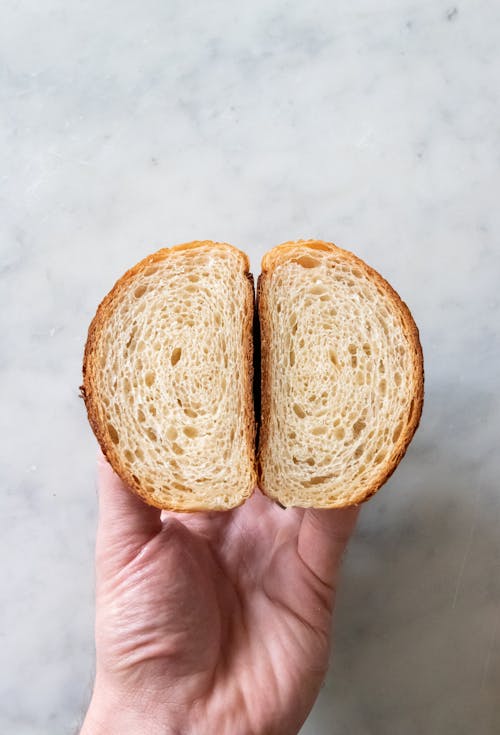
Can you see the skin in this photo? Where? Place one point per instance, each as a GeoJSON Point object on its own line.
{"type": "Point", "coordinates": [211, 622]}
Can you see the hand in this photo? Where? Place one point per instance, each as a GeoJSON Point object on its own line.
{"type": "Point", "coordinates": [211, 623]}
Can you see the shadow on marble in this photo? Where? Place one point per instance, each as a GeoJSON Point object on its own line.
{"type": "Point", "coordinates": [417, 615]}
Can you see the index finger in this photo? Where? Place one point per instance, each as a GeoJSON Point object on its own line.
{"type": "Point", "coordinates": [323, 537]}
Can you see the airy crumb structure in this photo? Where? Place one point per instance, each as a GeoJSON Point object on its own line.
{"type": "Point", "coordinates": [168, 378]}
{"type": "Point", "coordinates": [342, 376]}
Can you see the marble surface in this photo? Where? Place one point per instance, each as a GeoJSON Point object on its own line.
{"type": "Point", "coordinates": [126, 126]}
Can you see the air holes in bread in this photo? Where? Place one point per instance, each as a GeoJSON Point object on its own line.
{"type": "Point", "coordinates": [113, 434]}
{"type": "Point", "coordinates": [175, 356]}
{"type": "Point", "coordinates": [299, 411]}
{"type": "Point", "coordinates": [307, 261]}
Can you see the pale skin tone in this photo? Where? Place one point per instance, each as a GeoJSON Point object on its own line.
{"type": "Point", "coordinates": [211, 623]}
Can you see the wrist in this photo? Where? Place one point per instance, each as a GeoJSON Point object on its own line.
{"type": "Point", "coordinates": [119, 714]}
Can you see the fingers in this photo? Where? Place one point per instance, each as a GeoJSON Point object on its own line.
{"type": "Point", "coordinates": [123, 517]}
{"type": "Point", "coordinates": [323, 536]}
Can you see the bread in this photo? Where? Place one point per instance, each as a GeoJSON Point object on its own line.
{"type": "Point", "coordinates": [342, 377]}
{"type": "Point", "coordinates": [167, 378]}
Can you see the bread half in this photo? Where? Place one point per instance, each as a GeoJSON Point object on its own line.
{"type": "Point", "coordinates": [167, 378]}
{"type": "Point", "coordinates": [342, 377]}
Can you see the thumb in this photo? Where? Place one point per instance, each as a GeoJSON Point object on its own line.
{"type": "Point", "coordinates": [125, 521]}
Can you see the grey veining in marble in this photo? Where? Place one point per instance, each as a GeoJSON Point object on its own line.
{"type": "Point", "coordinates": [126, 126]}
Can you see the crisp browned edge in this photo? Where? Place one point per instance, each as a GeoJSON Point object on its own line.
{"type": "Point", "coordinates": [103, 312]}
{"type": "Point", "coordinates": [270, 261]}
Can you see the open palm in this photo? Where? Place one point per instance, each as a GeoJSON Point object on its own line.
{"type": "Point", "coordinates": [214, 622]}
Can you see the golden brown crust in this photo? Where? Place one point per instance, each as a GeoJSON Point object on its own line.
{"type": "Point", "coordinates": [281, 254]}
{"type": "Point", "coordinates": [95, 411]}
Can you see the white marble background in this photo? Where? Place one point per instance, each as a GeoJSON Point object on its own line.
{"type": "Point", "coordinates": [125, 126]}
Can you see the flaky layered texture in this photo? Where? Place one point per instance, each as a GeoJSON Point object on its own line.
{"type": "Point", "coordinates": [168, 378]}
{"type": "Point", "coordinates": [342, 377]}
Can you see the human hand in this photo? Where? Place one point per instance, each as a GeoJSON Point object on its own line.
{"type": "Point", "coordinates": [211, 623]}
